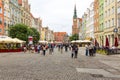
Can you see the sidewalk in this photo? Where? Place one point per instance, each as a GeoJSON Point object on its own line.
{"type": "Point", "coordinates": [83, 51]}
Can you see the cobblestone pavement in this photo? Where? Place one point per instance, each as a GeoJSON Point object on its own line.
{"type": "Point", "coordinates": [33, 66]}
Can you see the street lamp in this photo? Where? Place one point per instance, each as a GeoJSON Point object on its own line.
{"type": "Point", "coordinates": [34, 39]}
{"type": "Point", "coordinates": [115, 30]}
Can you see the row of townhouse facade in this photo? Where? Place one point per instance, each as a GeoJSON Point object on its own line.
{"type": "Point", "coordinates": [19, 11]}
{"type": "Point", "coordinates": [61, 37]}
{"type": "Point", "coordinates": [101, 20]}
{"type": "Point", "coordinates": [16, 11]}
{"type": "Point", "coordinates": [46, 34]}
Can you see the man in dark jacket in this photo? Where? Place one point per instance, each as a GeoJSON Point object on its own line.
{"type": "Point", "coordinates": [75, 50]}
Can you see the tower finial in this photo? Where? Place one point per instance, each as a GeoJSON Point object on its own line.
{"type": "Point", "coordinates": [75, 12]}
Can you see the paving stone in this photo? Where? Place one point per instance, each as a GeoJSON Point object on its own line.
{"type": "Point", "coordinates": [33, 66]}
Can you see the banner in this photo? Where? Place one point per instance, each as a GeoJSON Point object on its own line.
{"type": "Point", "coordinates": [30, 40]}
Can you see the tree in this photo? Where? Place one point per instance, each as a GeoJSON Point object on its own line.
{"type": "Point", "coordinates": [36, 35]}
{"type": "Point", "coordinates": [22, 32]}
{"type": "Point", "coordinates": [74, 37]}
{"type": "Point", "coordinates": [19, 31]}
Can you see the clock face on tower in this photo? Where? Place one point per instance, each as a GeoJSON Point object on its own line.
{"type": "Point", "coordinates": [74, 19]}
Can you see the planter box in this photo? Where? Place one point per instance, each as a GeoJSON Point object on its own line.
{"type": "Point", "coordinates": [10, 50]}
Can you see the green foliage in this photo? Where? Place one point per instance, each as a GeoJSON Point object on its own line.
{"type": "Point", "coordinates": [74, 37]}
{"type": "Point", "coordinates": [22, 32]}
{"type": "Point", "coordinates": [18, 31]}
{"type": "Point", "coordinates": [36, 35]}
{"type": "Point", "coordinates": [101, 52]}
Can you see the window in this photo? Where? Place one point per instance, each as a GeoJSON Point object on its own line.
{"type": "Point", "coordinates": [118, 22]}
{"type": "Point", "coordinates": [105, 2]}
{"type": "Point", "coordinates": [109, 12]}
{"type": "Point", "coordinates": [105, 24]}
{"type": "Point", "coordinates": [113, 10]}
{"type": "Point", "coordinates": [0, 30]}
{"type": "Point", "coordinates": [5, 23]}
{"type": "Point", "coordinates": [4, 13]}
{"type": "Point", "coordinates": [108, 1]}
{"type": "Point", "coordinates": [118, 10]}
{"type": "Point", "coordinates": [102, 26]}
{"type": "Point", "coordinates": [0, 20]}
{"type": "Point", "coordinates": [112, 21]}
{"type": "Point", "coordinates": [105, 13]}
{"type": "Point", "coordinates": [0, 10]}
{"type": "Point", "coordinates": [109, 23]}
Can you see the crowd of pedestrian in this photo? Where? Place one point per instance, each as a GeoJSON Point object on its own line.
{"type": "Point", "coordinates": [90, 50]}
{"type": "Point", "coordinates": [39, 48]}
{"type": "Point", "coordinates": [73, 48]}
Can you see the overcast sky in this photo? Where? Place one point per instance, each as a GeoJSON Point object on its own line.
{"type": "Point", "coordinates": [58, 14]}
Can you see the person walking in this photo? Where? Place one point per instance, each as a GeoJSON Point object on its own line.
{"type": "Point", "coordinates": [73, 51]}
{"type": "Point", "coordinates": [50, 48]}
{"type": "Point", "coordinates": [44, 50]}
{"type": "Point", "coordinates": [58, 47]}
{"type": "Point", "coordinates": [61, 48]}
{"type": "Point", "coordinates": [76, 50]}
{"type": "Point", "coordinates": [66, 47]}
{"type": "Point", "coordinates": [87, 50]}
{"type": "Point", "coordinates": [25, 48]}
{"type": "Point", "coordinates": [94, 48]}
{"type": "Point", "coordinates": [91, 49]}
{"type": "Point", "coordinates": [38, 48]}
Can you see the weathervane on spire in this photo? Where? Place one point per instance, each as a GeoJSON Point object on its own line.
{"type": "Point", "coordinates": [75, 11]}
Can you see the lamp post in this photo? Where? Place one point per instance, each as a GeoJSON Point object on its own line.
{"type": "Point", "coordinates": [115, 30]}
{"type": "Point", "coordinates": [34, 39]}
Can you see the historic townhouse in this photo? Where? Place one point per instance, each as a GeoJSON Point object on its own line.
{"type": "Point", "coordinates": [96, 20]}
{"type": "Point", "coordinates": [59, 36]}
{"type": "Point", "coordinates": [15, 12]}
{"type": "Point", "coordinates": [101, 23]}
{"type": "Point", "coordinates": [87, 23]}
{"type": "Point", "coordinates": [80, 27]}
{"type": "Point", "coordinates": [25, 13]}
{"type": "Point", "coordinates": [50, 37]}
{"type": "Point", "coordinates": [44, 33]}
{"type": "Point", "coordinates": [90, 22]}
{"type": "Point", "coordinates": [42, 36]}
{"type": "Point", "coordinates": [6, 16]}
{"type": "Point", "coordinates": [36, 23]}
{"type": "Point", "coordinates": [2, 29]}
{"type": "Point", "coordinates": [83, 29]}
{"type": "Point", "coordinates": [118, 18]}
{"type": "Point", "coordinates": [110, 20]}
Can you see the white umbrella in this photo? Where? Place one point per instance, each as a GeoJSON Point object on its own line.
{"type": "Point", "coordinates": [43, 42]}
{"type": "Point", "coordinates": [18, 40]}
{"type": "Point", "coordinates": [6, 39]}
{"type": "Point", "coordinates": [87, 41]}
{"type": "Point", "coordinates": [79, 41]}
{"type": "Point", "coordinates": [73, 41]}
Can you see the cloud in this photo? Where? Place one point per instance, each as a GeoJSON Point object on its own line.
{"type": "Point", "coordinates": [58, 14]}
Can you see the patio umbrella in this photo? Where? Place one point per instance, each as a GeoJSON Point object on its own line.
{"type": "Point", "coordinates": [96, 43]}
{"type": "Point", "coordinates": [43, 41]}
{"type": "Point", "coordinates": [116, 42]}
{"type": "Point", "coordinates": [107, 42]}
